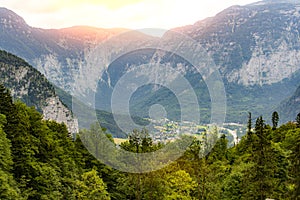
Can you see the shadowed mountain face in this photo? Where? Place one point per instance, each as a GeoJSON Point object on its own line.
{"type": "Point", "coordinates": [290, 108]}
{"type": "Point", "coordinates": [255, 47]}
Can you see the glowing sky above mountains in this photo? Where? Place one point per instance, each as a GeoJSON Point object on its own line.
{"type": "Point", "coordinates": [132, 14]}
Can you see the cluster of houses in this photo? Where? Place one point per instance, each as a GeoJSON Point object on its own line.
{"type": "Point", "coordinates": [165, 130]}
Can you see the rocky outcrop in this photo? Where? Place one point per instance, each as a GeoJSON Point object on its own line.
{"type": "Point", "coordinates": [55, 110]}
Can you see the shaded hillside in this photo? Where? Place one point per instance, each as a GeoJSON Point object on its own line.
{"type": "Point", "coordinates": [290, 108]}
{"type": "Point", "coordinates": [31, 87]}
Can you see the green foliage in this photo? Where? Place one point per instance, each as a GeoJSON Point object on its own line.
{"type": "Point", "coordinates": [140, 142]}
{"type": "Point", "coordinates": [179, 185]}
{"type": "Point", "coordinates": [8, 186]}
{"type": "Point", "coordinates": [46, 182]}
{"type": "Point", "coordinates": [91, 187]}
{"type": "Point", "coordinates": [6, 103]}
{"type": "Point", "coordinates": [38, 160]}
{"type": "Point", "coordinates": [5, 148]}
{"type": "Point", "coordinates": [235, 185]}
{"type": "Point", "coordinates": [218, 152]}
{"type": "Point", "coordinates": [292, 142]}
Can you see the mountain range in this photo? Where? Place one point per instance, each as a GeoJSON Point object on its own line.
{"type": "Point", "coordinates": [255, 48]}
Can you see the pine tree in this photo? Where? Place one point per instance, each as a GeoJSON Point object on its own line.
{"type": "Point", "coordinates": [249, 125]}
{"type": "Point", "coordinates": [8, 109]}
{"type": "Point", "coordinates": [6, 102]}
{"type": "Point", "coordinates": [298, 120]}
{"type": "Point", "coordinates": [263, 161]}
{"type": "Point", "coordinates": [219, 150]}
{"type": "Point", "coordinates": [275, 120]}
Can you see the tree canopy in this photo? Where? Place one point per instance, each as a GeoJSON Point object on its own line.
{"type": "Point", "coordinates": [39, 160]}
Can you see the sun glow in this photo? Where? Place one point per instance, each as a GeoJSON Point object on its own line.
{"type": "Point", "coordinates": [132, 14]}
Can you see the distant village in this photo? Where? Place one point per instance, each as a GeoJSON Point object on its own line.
{"type": "Point", "coordinates": [165, 130]}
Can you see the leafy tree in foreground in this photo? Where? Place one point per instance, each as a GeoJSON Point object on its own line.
{"type": "Point", "coordinates": [292, 142]}
{"type": "Point", "coordinates": [91, 187]}
{"type": "Point", "coordinates": [179, 185]}
{"type": "Point", "coordinates": [8, 186]}
{"type": "Point", "coordinates": [5, 152]}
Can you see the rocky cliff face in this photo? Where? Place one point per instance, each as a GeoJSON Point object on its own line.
{"type": "Point", "coordinates": [31, 87]}
{"type": "Point", "coordinates": [256, 44]}
{"type": "Point", "coordinates": [55, 110]}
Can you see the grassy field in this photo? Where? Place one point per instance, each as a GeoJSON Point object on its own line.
{"type": "Point", "coordinates": [119, 140]}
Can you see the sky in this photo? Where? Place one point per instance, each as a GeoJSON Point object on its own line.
{"type": "Point", "coordinates": [133, 14]}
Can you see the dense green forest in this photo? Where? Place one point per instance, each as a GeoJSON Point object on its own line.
{"type": "Point", "coordinates": [39, 160]}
